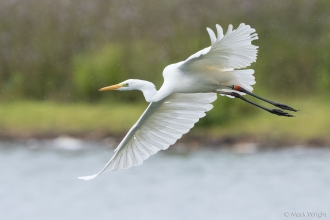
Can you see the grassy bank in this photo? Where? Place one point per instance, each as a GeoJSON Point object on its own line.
{"type": "Point", "coordinates": [31, 118]}
{"type": "Point", "coordinates": [41, 119]}
{"type": "Point", "coordinates": [312, 121]}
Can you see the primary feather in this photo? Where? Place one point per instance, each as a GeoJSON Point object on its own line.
{"type": "Point", "coordinates": [230, 51]}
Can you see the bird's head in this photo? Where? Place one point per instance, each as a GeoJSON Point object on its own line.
{"type": "Point", "coordinates": [130, 84]}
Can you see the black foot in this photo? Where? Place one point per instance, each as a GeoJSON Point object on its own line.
{"type": "Point", "coordinates": [285, 107]}
{"type": "Point", "coordinates": [280, 113]}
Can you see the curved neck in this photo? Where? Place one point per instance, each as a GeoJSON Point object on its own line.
{"type": "Point", "coordinates": [152, 95]}
{"type": "Point", "coordinates": [149, 93]}
{"type": "Point", "coordinates": [149, 90]}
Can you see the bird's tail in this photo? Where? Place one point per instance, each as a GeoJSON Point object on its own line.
{"type": "Point", "coordinates": [243, 78]}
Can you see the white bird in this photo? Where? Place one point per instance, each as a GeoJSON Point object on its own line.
{"type": "Point", "coordinates": [188, 90]}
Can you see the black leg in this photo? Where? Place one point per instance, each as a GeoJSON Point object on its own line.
{"type": "Point", "coordinates": [273, 111]}
{"type": "Point", "coordinates": [279, 105]}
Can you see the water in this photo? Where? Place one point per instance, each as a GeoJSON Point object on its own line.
{"type": "Point", "coordinates": [39, 181]}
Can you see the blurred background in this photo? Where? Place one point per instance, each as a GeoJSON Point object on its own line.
{"type": "Point", "coordinates": [237, 163]}
{"type": "Point", "coordinates": [55, 55]}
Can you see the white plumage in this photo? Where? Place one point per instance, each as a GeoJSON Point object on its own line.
{"type": "Point", "coordinates": [230, 51]}
{"type": "Point", "coordinates": [189, 89]}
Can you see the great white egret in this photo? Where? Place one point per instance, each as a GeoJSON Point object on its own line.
{"type": "Point", "coordinates": [189, 88]}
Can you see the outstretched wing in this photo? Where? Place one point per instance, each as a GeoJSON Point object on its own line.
{"type": "Point", "coordinates": [160, 126]}
{"type": "Point", "coordinates": [230, 51]}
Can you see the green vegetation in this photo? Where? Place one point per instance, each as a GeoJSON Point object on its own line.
{"type": "Point", "coordinates": [65, 50]}
{"type": "Point", "coordinates": [312, 121]}
{"type": "Point", "coordinates": [49, 117]}
{"type": "Point", "coordinates": [35, 117]}
{"type": "Point", "coordinates": [57, 54]}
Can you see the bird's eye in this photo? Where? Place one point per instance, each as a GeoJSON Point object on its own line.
{"type": "Point", "coordinates": [126, 84]}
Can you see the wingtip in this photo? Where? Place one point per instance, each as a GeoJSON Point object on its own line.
{"type": "Point", "coordinates": [212, 35]}
{"type": "Point", "coordinates": [86, 178]}
{"type": "Point", "coordinates": [219, 32]}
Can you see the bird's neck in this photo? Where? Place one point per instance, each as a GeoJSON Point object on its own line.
{"type": "Point", "coordinates": [156, 96]}
{"type": "Point", "coordinates": [147, 88]}
{"type": "Point", "coordinates": [149, 93]}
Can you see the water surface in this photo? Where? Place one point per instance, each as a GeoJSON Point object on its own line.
{"type": "Point", "coordinates": [39, 181]}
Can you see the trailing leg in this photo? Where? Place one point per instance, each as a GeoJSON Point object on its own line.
{"type": "Point", "coordinates": [273, 111]}
{"type": "Point", "coordinates": [279, 105]}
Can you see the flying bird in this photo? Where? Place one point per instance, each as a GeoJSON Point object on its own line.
{"type": "Point", "coordinates": [188, 90]}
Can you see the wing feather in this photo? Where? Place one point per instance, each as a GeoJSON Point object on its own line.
{"type": "Point", "coordinates": [160, 126]}
{"type": "Point", "coordinates": [144, 151]}
{"type": "Point", "coordinates": [233, 50]}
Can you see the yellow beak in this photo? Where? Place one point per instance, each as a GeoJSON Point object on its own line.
{"type": "Point", "coordinates": [117, 86]}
